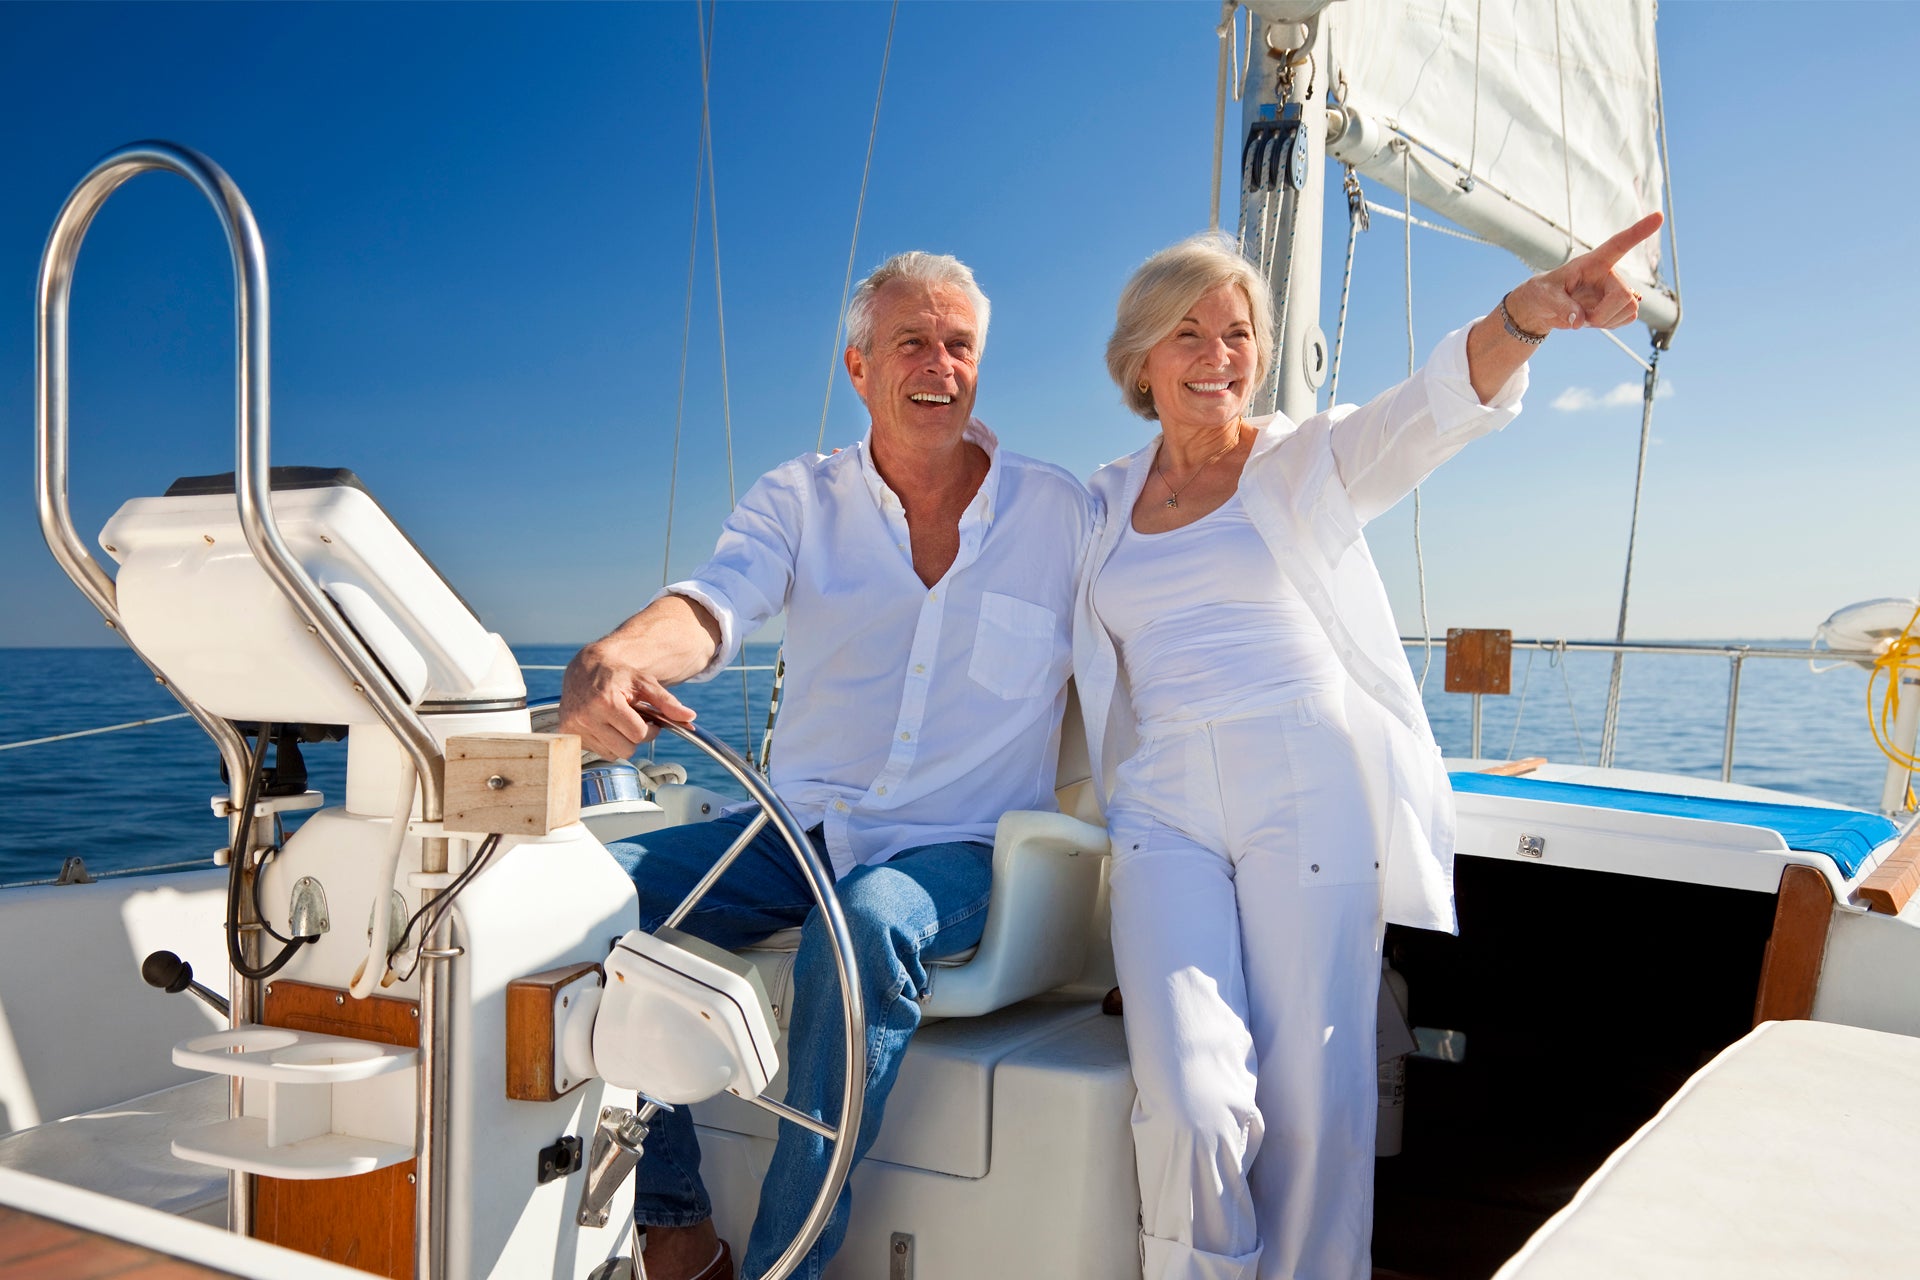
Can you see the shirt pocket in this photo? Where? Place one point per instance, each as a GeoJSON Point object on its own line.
{"type": "Point", "coordinates": [1016, 647]}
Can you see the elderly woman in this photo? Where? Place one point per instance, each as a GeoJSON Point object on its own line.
{"type": "Point", "coordinates": [1272, 787]}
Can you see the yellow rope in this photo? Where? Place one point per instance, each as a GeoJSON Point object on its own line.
{"type": "Point", "coordinates": [1901, 656]}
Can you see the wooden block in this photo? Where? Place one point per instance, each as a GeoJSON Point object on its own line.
{"type": "Point", "coordinates": [532, 1033]}
{"type": "Point", "coordinates": [1894, 882]}
{"type": "Point", "coordinates": [524, 784]}
{"type": "Point", "coordinates": [364, 1221]}
{"type": "Point", "coordinates": [1479, 661]}
{"type": "Point", "coordinates": [1790, 971]}
{"type": "Point", "coordinates": [1515, 768]}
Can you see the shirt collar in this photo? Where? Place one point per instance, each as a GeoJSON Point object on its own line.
{"type": "Point", "coordinates": [985, 501]}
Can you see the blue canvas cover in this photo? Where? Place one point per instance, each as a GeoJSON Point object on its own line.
{"type": "Point", "coordinates": [1847, 836]}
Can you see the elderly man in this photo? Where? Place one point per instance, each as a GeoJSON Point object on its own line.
{"type": "Point", "coordinates": [927, 577]}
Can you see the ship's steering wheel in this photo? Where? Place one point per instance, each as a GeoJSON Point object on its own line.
{"type": "Point", "coordinates": [852, 1015]}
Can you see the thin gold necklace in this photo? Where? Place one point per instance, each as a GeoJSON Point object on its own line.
{"type": "Point", "coordinates": [1173, 490]}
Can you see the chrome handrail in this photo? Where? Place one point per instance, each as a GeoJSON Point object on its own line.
{"type": "Point", "coordinates": [252, 470]}
{"type": "Point", "coordinates": [254, 500]}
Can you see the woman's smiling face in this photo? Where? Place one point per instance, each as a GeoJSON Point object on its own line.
{"type": "Point", "coordinates": [1201, 374]}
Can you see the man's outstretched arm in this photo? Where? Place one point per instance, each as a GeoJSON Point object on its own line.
{"type": "Point", "coordinates": [666, 642]}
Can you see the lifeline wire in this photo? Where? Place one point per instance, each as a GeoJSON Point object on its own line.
{"type": "Point", "coordinates": [88, 733]}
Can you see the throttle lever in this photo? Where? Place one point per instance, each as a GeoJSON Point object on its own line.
{"type": "Point", "coordinates": [167, 971]}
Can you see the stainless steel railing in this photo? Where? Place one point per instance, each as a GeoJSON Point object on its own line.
{"type": "Point", "coordinates": [253, 497]}
{"type": "Point", "coordinates": [1735, 654]}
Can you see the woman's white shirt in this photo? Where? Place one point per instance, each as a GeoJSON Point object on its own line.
{"type": "Point", "coordinates": [1308, 489]}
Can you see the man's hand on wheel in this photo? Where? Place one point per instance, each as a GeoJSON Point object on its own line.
{"type": "Point", "coordinates": [599, 697]}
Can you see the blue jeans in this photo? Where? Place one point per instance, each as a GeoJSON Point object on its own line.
{"type": "Point", "coordinates": [923, 903]}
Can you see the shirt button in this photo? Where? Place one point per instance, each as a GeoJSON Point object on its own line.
{"type": "Point", "coordinates": [881, 790]}
{"type": "Point", "coordinates": [905, 736]}
{"type": "Point", "coordinates": [919, 668]}
{"type": "Point", "coordinates": [841, 805]}
{"type": "Point", "coordinates": [933, 595]}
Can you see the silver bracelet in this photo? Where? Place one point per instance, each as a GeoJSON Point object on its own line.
{"type": "Point", "coordinates": [1515, 332]}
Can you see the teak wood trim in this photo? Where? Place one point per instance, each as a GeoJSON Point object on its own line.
{"type": "Point", "coordinates": [1894, 882]}
{"type": "Point", "coordinates": [1515, 768]}
{"type": "Point", "coordinates": [532, 1035]}
{"type": "Point", "coordinates": [1790, 972]}
{"type": "Point", "coordinates": [36, 1248]}
{"type": "Point", "coordinates": [365, 1221]}
{"type": "Point", "coordinates": [1479, 661]}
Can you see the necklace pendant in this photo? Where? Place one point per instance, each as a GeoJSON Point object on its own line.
{"type": "Point", "coordinates": [1172, 502]}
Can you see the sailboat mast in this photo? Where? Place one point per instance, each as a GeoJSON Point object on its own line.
{"type": "Point", "coordinates": [1282, 193]}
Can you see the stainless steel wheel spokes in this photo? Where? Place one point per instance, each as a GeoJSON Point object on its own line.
{"type": "Point", "coordinates": [853, 1015]}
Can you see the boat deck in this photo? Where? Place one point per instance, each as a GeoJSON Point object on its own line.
{"type": "Point", "coordinates": [35, 1248]}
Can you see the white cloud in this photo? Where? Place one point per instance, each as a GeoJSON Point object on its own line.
{"type": "Point", "coordinates": [1578, 399]}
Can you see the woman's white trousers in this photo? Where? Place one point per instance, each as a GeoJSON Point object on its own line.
{"type": "Point", "coordinates": [1246, 934]}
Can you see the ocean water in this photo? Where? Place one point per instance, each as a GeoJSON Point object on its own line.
{"type": "Point", "coordinates": [140, 798]}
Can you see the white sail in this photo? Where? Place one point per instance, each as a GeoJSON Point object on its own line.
{"type": "Point", "coordinates": [1550, 106]}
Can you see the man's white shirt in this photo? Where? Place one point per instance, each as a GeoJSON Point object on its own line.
{"type": "Point", "coordinates": [911, 714]}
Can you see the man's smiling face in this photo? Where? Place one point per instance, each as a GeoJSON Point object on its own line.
{"type": "Point", "coordinates": [918, 380]}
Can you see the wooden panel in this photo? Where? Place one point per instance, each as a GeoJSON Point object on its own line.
{"type": "Point", "coordinates": [1515, 768]}
{"type": "Point", "coordinates": [514, 783]}
{"type": "Point", "coordinates": [1790, 973]}
{"type": "Point", "coordinates": [1894, 882]}
{"type": "Point", "coordinates": [531, 1033]}
{"type": "Point", "coordinates": [1479, 661]}
{"type": "Point", "coordinates": [36, 1248]}
{"type": "Point", "coordinates": [364, 1221]}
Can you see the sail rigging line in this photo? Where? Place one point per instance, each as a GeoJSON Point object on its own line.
{"type": "Point", "coordinates": [1419, 551]}
{"type": "Point", "coordinates": [1566, 151]}
{"type": "Point", "coordinates": [719, 293]}
{"type": "Point", "coordinates": [1631, 354]}
{"type": "Point", "coordinates": [686, 322]}
{"type": "Point", "coordinates": [833, 368]}
{"type": "Point", "coordinates": [1666, 173]}
{"type": "Point", "coordinates": [1609, 728]}
{"type": "Point", "coordinates": [859, 209]}
{"type": "Point", "coordinates": [1357, 221]}
{"type": "Point", "coordinates": [1473, 137]}
{"type": "Point", "coordinates": [1229, 33]}
{"type": "Point", "coordinates": [1425, 224]}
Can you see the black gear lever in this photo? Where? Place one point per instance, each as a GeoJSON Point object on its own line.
{"type": "Point", "coordinates": [169, 972]}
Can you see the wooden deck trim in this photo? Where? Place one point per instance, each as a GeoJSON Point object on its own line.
{"type": "Point", "coordinates": [1790, 973]}
{"type": "Point", "coordinates": [1515, 768]}
{"type": "Point", "coordinates": [36, 1248]}
{"type": "Point", "coordinates": [1894, 882]}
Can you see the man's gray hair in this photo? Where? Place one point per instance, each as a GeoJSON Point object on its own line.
{"type": "Point", "coordinates": [922, 268]}
{"type": "Point", "coordinates": [1161, 293]}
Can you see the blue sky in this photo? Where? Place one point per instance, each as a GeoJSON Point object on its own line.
{"type": "Point", "coordinates": [477, 220]}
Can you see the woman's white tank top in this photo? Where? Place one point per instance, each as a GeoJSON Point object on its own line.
{"type": "Point", "coordinates": [1206, 623]}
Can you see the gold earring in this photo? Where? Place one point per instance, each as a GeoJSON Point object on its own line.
{"type": "Point", "coordinates": [1143, 387]}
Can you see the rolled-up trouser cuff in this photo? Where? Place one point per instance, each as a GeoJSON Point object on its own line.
{"type": "Point", "coordinates": [661, 1216]}
{"type": "Point", "coordinates": [1171, 1260]}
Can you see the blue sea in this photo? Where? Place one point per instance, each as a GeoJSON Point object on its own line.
{"type": "Point", "coordinates": [140, 797]}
